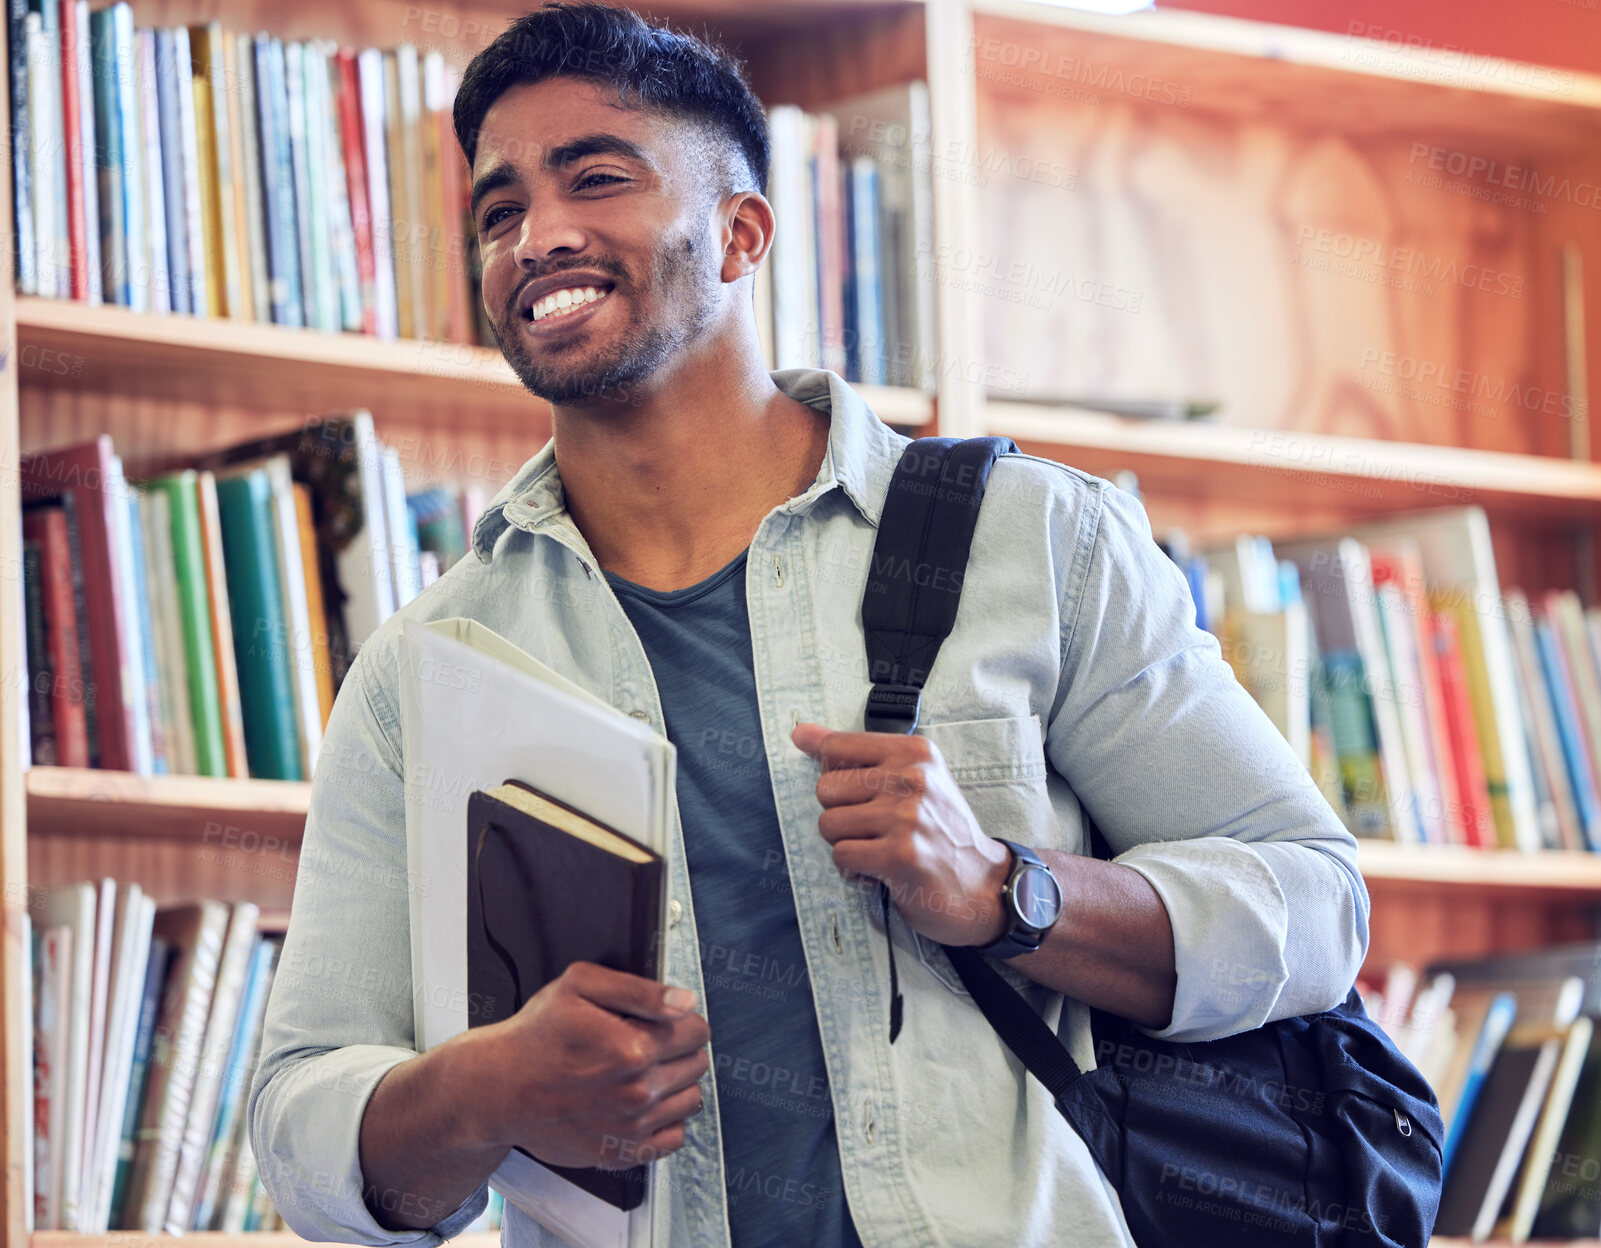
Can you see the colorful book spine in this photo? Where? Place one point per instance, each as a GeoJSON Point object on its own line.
{"type": "Point", "coordinates": [283, 246]}
{"type": "Point", "coordinates": [237, 225]}
{"type": "Point", "coordinates": [27, 267]}
{"type": "Point", "coordinates": [353, 146]}
{"type": "Point", "coordinates": [135, 227]}
{"type": "Point", "coordinates": [47, 528]}
{"type": "Point", "coordinates": [72, 128]}
{"type": "Point", "coordinates": [272, 740]}
{"type": "Point", "coordinates": [1570, 730]}
{"type": "Point", "coordinates": [113, 236]}
{"type": "Point", "coordinates": [250, 182]}
{"type": "Point", "coordinates": [194, 608]}
{"type": "Point", "coordinates": [159, 280]}
{"type": "Point", "coordinates": [160, 763]}
{"type": "Point", "coordinates": [307, 235]}
{"type": "Point", "coordinates": [87, 156]}
{"type": "Point", "coordinates": [370, 67]}
{"type": "Point", "coordinates": [170, 120]}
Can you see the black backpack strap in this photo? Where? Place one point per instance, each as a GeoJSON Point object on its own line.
{"type": "Point", "coordinates": [925, 533]}
{"type": "Point", "coordinates": [1039, 1048]}
{"type": "Point", "coordinates": [919, 560]}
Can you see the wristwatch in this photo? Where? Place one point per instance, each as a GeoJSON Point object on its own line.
{"type": "Point", "coordinates": [1031, 899]}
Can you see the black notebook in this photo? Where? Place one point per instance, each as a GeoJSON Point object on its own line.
{"type": "Point", "coordinates": [548, 886]}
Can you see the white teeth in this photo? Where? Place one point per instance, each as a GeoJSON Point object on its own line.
{"type": "Point", "coordinates": [566, 300]}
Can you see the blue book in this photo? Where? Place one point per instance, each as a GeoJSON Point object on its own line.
{"type": "Point", "coordinates": [170, 117]}
{"type": "Point", "coordinates": [864, 305]}
{"type": "Point", "coordinates": [138, 1080]}
{"type": "Point", "coordinates": [109, 158]}
{"type": "Point", "coordinates": [21, 167]}
{"type": "Point", "coordinates": [136, 234]}
{"type": "Point", "coordinates": [236, 1078]}
{"type": "Point", "coordinates": [144, 621]}
{"type": "Point", "coordinates": [1574, 752]}
{"type": "Point", "coordinates": [278, 183]}
{"type": "Point", "coordinates": [1497, 1022]}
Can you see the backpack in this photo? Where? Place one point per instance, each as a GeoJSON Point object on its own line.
{"type": "Point", "coordinates": [1310, 1131]}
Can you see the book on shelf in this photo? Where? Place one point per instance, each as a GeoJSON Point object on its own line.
{"type": "Point", "coordinates": [1453, 712]}
{"type": "Point", "coordinates": [1509, 1043]}
{"type": "Point", "coordinates": [205, 171]}
{"type": "Point", "coordinates": [152, 1137]}
{"type": "Point", "coordinates": [199, 622]}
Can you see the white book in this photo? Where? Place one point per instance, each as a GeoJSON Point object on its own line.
{"type": "Point", "coordinates": [74, 906]}
{"type": "Point", "coordinates": [370, 73]}
{"type": "Point", "coordinates": [402, 548]}
{"type": "Point", "coordinates": [52, 1000]}
{"type": "Point", "coordinates": [789, 185]}
{"type": "Point", "coordinates": [539, 727]}
{"type": "Point", "coordinates": [1407, 674]}
{"type": "Point", "coordinates": [127, 588]}
{"type": "Point", "coordinates": [160, 274]}
{"type": "Point", "coordinates": [136, 913]}
{"type": "Point", "coordinates": [99, 992]}
{"type": "Point", "coordinates": [42, 155]}
{"type": "Point", "coordinates": [213, 1057]}
{"type": "Point", "coordinates": [194, 221]}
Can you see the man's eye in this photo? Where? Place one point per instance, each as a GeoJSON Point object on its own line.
{"type": "Point", "coordinates": [596, 179]}
{"type": "Point", "coordinates": [492, 218]}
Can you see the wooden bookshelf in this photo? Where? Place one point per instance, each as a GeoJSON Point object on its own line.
{"type": "Point", "coordinates": [1200, 208]}
{"type": "Point", "coordinates": [214, 1239]}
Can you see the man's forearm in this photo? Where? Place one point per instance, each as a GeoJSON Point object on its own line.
{"type": "Point", "coordinates": [423, 1152]}
{"type": "Point", "coordinates": [1113, 946]}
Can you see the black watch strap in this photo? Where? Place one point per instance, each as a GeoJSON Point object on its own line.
{"type": "Point", "coordinates": [1019, 937]}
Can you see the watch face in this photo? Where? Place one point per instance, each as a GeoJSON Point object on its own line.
{"type": "Point", "coordinates": [1037, 897]}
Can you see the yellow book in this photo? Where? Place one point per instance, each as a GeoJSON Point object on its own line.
{"type": "Point", "coordinates": [433, 197]}
{"type": "Point", "coordinates": [239, 245]}
{"type": "Point", "coordinates": [213, 88]}
{"type": "Point", "coordinates": [320, 659]}
{"type": "Point", "coordinates": [206, 151]}
{"type": "Point", "coordinates": [1460, 608]}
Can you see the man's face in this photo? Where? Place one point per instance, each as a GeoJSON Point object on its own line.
{"type": "Point", "coordinates": [601, 250]}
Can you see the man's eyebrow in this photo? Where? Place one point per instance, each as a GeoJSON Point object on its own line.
{"type": "Point", "coordinates": [599, 144]}
{"type": "Point", "coordinates": [491, 180]}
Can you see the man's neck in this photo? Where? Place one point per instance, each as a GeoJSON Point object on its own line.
{"type": "Point", "coordinates": [670, 486]}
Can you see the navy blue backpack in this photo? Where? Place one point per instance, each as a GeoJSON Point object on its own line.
{"type": "Point", "coordinates": [1309, 1132]}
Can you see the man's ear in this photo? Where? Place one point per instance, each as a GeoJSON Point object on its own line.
{"type": "Point", "coordinates": [747, 234]}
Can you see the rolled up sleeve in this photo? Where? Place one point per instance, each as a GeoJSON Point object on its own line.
{"type": "Point", "coordinates": [1192, 786]}
{"type": "Point", "coordinates": [340, 1014]}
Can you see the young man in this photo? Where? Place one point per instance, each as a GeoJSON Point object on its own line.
{"type": "Point", "coordinates": [692, 546]}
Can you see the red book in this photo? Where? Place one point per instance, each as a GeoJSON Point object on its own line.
{"type": "Point", "coordinates": [356, 176]}
{"type": "Point", "coordinates": [82, 472]}
{"type": "Point", "coordinates": [71, 124]}
{"type": "Point", "coordinates": [48, 527]}
{"type": "Point", "coordinates": [1472, 791]}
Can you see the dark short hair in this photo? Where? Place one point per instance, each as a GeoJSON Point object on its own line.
{"type": "Point", "coordinates": [652, 67]}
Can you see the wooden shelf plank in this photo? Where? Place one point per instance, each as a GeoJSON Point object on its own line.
{"type": "Point", "coordinates": [62, 344]}
{"type": "Point", "coordinates": [69, 801]}
{"type": "Point", "coordinates": [1572, 875]}
{"type": "Point", "coordinates": [213, 1239]}
{"type": "Point", "coordinates": [1299, 472]}
{"type": "Point", "coordinates": [1349, 82]}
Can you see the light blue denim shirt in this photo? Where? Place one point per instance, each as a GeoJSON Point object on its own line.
{"type": "Point", "coordinates": [1075, 679]}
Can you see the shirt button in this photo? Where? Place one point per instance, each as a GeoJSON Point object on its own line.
{"type": "Point", "coordinates": [638, 714]}
{"type": "Point", "coordinates": [675, 912]}
{"type": "Point", "coordinates": [869, 1123]}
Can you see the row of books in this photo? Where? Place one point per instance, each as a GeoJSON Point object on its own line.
{"type": "Point", "coordinates": [1511, 1045]}
{"type": "Point", "coordinates": [1429, 707]}
{"type": "Point", "coordinates": [146, 1027]}
{"type": "Point", "coordinates": [200, 622]}
{"type": "Point", "coordinates": [849, 282]}
{"type": "Point", "coordinates": [198, 170]}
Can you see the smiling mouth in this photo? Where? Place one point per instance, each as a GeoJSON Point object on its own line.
{"type": "Point", "coordinates": [564, 302]}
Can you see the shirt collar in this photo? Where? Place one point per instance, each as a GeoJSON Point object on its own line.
{"type": "Point", "coordinates": [861, 457]}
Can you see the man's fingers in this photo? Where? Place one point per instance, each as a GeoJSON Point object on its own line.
{"type": "Point", "coordinates": [851, 785]}
{"type": "Point", "coordinates": [862, 857]}
{"type": "Point", "coordinates": [865, 749]}
{"type": "Point", "coordinates": [632, 995]}
{"type": "Point", "coordinates": [850, 823]}
{"type": "Point", "coordinates": [685, 1103]}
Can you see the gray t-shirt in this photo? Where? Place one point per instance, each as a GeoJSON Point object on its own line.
{"type": "Point", "coordinates": [781, 1161]}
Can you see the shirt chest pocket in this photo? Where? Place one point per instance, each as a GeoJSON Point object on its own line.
{"type": "Point", "coordinates": [1000, 767]}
